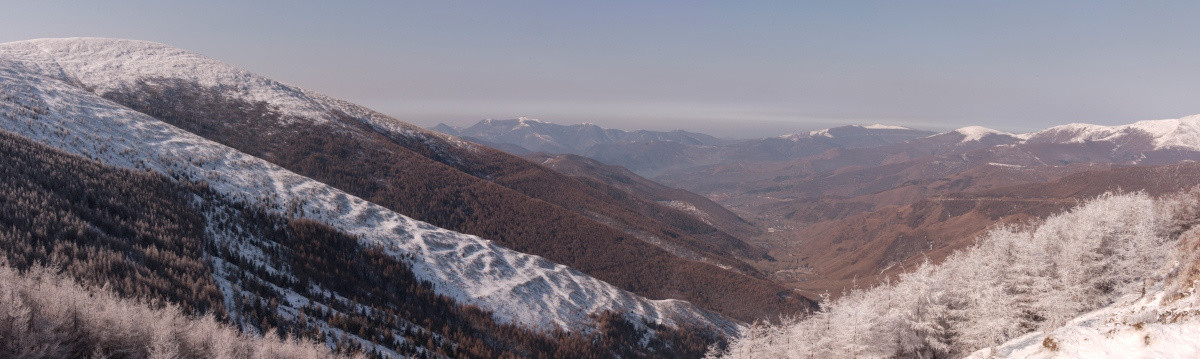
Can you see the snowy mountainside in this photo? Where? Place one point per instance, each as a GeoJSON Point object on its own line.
{"type": "Point", "coordinates": [103, 65]}
{"type": "Point", "coordinates": [46, 106]}
{"type": "Point", "coordinates": [1182, 133]}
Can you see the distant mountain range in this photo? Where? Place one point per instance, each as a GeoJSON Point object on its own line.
{"type": "Point", "coordinates": [651, 152]}
{"type": "Point", "coordinates": [536, 135]}
{"type": "Point", "coordinates": [847, 214]}
{"type": "Point", "coordinates": [815, 191]}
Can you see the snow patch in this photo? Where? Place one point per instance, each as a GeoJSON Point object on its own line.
{"type": "Point", "coordinates": [523, 122]}
{"type": "Point", "coordinates": [820, 133]}
{"type": "Point", "coordinates": [997, 164]}
{"type": "Point", "coordinates": [690, 209]}
{"type": "Point", "coordinates": [879, 126]}
{"type": "Point", "coordinates": [976, 133]}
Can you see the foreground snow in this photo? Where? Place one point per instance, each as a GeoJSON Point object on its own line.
{"type": "Point", "coordinates": [1113, 332]}
{"type": "Point", "coordinates": [1164, 323]}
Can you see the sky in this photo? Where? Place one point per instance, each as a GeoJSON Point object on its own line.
{"type": "Point", "coordinates": [727, 68]}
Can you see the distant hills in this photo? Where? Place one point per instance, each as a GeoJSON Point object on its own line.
{"type": "Point", "coordinates": [829, 199]}
{"type": "Point", "coordinates": [651, 152]}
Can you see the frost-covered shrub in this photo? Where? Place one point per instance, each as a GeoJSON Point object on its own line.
{"type": "Point", "coordinates": [46, 315]}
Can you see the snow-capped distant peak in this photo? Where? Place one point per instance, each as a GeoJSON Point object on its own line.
{"type": "Point", "coordinates": [879, 126]}
{"type": "Point", "coordinates": [826, 132]}
{"type": "Point", "coordinates": [1172, 133]}
{"type": "Point", "coordinates": [976, 133]}
{"type": "Point", "coordinates": [523, 122]}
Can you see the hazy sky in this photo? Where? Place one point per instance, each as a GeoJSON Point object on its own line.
{"type": "Point", "coordinates": [730, 68]}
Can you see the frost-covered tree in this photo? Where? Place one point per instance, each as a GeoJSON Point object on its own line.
{"type": "Point", "coordinates": [1016, 279]}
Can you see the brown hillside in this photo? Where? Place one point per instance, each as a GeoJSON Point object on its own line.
{"type": "Point", "coordinates": [700, 216]}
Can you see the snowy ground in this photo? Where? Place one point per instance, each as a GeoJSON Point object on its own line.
{"type": "Point", "coordinates": [1114, 332]}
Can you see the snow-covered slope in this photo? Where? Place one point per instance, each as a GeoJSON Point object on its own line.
{"type": "Point", "coordinates": [109, 64]}
{"type": "Point", "coordinates": [1149, 327]}
{"type": "Point", "coordinates": [44, 95]}
{"type": "Point", "coordinates": [1182, 133]}
{"type": "Point", "coordinates": [102, 65]}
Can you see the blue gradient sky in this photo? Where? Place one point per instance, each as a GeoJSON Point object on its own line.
{"type": "Point", "coordinates": [729, 68]}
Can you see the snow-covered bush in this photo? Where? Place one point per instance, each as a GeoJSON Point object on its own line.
{"type": "Point", "coordinates": [1014, 280]}
{"type": "Point", "coordinates": [46, 315]}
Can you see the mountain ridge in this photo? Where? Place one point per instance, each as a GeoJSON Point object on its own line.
{"type": "Point", "coordinates": [118, 134]}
